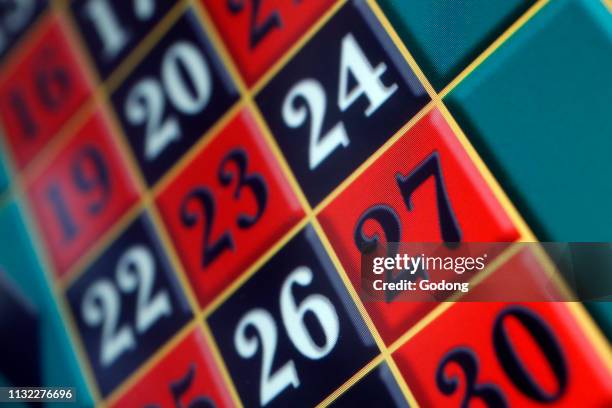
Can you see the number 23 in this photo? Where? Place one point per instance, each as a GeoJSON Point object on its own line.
{"type": "Point", "coordinates": [253, 182]}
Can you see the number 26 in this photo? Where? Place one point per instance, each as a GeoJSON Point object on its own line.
{"type": "Point", "coordinates": [292, 315]}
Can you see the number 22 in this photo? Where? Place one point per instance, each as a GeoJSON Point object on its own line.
{"type": "Point", "coordinates": [101, 304]}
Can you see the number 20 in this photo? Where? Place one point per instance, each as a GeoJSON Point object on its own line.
{"type": "Point", "coordinates": [145, 103]}
{"type": "Point", "coordinates": [368, 78]}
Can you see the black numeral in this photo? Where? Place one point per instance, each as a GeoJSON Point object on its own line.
{"type": "Point", "coordinates": [388, 219]}
{"type": "Point", "coordinates": [210, 251]}
{"type": "Point", "coordinates": [179, 387]}
{"type": "Point", "coordinates": [465, 358]}
{"type": "Point", "coordinates": [449, 226]}
{"type": "Point", "coordinates": [253, 182]}
{"type": "Point", "coordinates": [53, 84]}
{"type": "Point", "coordinates": [510, 361]}
{"type": "Point", "coordinates": [69, 228]}
{"type": "Point", "coordinates": [86, 182]}
{"type": "Point", "coordinates": [26, 121]}
{"type": "Point", "coordinates": [259, 30]}
{"type": "Point", "coordinates": [52, 87]}
{"type": "Point", "coordinates": [182, 385]}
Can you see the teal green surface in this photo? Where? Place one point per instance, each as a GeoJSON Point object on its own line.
{"type": "Point", "coordinates": [602, 313]}
{"type": "Point", "coordinates": [4, 180]}
{"type": "Point", "coordinates": [445, 36]}
{"type": "Point", "coordinates": [539, 111]}
{"type": "Point", "coordinates": [18, 259]}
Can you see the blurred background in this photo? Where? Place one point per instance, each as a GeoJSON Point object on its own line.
{"type": "Point", "coordinates": [166, 166]}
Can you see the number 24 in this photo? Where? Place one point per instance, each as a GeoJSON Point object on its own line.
{"type": "Point", "coordinates": [369, 83]}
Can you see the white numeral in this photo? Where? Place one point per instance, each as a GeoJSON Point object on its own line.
{"type": "Point", "coordinates": [271, 384]}
{"type": "Point", "coordinates": [114, 35]}
{"type": "Point", "coordinates": [313, 94]}
{"type": "Point", "coordinates": [102, 306]}
{"type": "Point", "coordinates": [102, 303]}
{"type": "Point", "coordinates": [15, 16]}
{"type": "Point", "coordinates": [188, 56]}
{"type": "Point", "coordinates": [146, 102]}
{"type": "Point", "coordinates": [352, 62]}
{"type": "Point", "coordinates": [292, 315]}
{"type": "Point", "coordinates": [136, 270]}
{"type": "Point", "coordinates": [144, 9]}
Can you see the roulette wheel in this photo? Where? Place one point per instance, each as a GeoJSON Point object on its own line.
{"type": "Point", "coordinates": [186, 187]}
